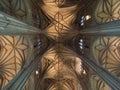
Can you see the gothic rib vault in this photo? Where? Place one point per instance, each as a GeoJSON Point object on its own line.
{"type": "Point", "coordinates": [59, 64]}
{"type": "Point", "coordinates": [63, 66]}
{"type": "Point", "coordinates": [60, 68]}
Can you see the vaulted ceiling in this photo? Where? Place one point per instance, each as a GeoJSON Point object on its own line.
{"type": "Point", "coordinates": [57, 19]}
{"type": "Point", "coordinates": [60, 68]}
{"type": "Point", "coordinates": [60, 21]}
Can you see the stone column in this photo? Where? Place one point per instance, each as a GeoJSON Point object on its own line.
{"type": "Point", "coordinates": [19, 81]}
{"type": "Point", "coordinates": [109, 28]}
{"type": "Point", "coordinates": [11, 26]}
{"type": "Point", "coordinates": [106, 76]}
